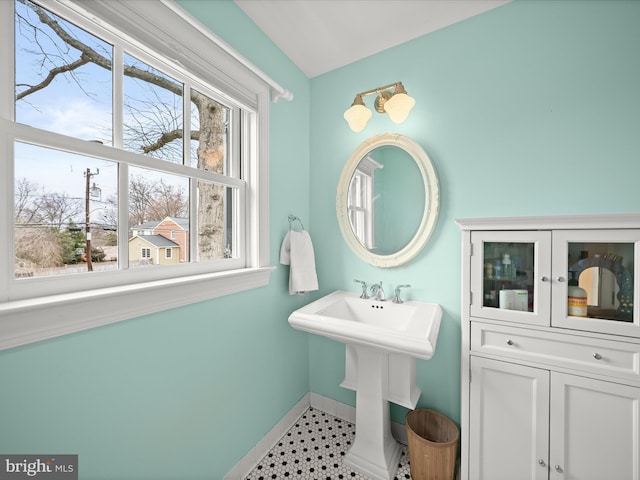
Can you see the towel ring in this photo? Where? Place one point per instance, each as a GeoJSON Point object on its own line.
{"type": "Point", "coordinates": [293, 218]}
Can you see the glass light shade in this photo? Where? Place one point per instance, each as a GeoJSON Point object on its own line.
{"type": "Point", "coordinates": [399, 106]}
{"type": "Point", "coordinates": [357, 117]}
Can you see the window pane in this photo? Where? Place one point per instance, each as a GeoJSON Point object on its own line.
{"type": "Point", "coordinates": [153, 122]}
{"type": "Point", "coordinates": [64, 203]}
{"type": "Point", "coordinates": [216, 236]}
{"type": "Point", "coordinates": [158, 218]}
{"type": "Point", "coordinates": [63, 76]}
{"type": "Point", "coordinates": [210, 134]}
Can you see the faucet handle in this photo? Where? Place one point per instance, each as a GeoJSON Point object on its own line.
{"type": "Point", "coordinates": [396, 298]}
{"type": "Point", "coordinates": [364, 289]}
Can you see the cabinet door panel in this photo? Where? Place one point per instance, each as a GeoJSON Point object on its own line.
{"type": "Point", "coordinates": [595, 429]}
{"type": "Point", "coordinates": [602, 264]}
{"type": "Point", "coordinates": [511, 276]}
{"type": "Point", "coordinates": [509, 421]}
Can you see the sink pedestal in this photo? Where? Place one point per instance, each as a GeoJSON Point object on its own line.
{"type": "Point", "coordinates": [374, 451]}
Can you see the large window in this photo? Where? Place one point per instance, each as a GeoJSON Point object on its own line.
{"type": "Point", "coordinates": [115, 149]}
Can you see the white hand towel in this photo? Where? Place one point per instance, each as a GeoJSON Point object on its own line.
{"type": "Point", "coordinates": [297, 251]}
{"type": "Point", "coordinates": [285, 250]}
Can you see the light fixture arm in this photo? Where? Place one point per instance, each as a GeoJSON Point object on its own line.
{"type": "Point", "coordinates": [380, 89]}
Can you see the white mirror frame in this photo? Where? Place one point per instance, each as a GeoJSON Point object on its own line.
{"type": "Point", "coordinates": [432, 200]}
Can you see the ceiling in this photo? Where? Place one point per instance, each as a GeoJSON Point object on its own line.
{"type": "Point", "coordinates": [322, 35]}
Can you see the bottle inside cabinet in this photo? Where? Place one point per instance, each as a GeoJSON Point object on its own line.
{"type": "Point", "coordinates": [508, 275]}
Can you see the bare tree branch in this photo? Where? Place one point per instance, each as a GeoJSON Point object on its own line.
{"type": "Point", "coordinates": [39, 246]}
{"type": "Point", "coordinates": [83, 60]}
{"type": "Point", "coordinates": [90, 55]}
{"type": "Point", "coordinates": [166, 138]}
{"type": "Point", "coordinates": [154, 201]}
{"type": "Point", "coordinates": [96, 57]}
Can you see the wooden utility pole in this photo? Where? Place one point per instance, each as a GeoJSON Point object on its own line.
{"type": "Point", "coordinates": [87, 220]}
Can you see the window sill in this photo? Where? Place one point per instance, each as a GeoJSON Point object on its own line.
{"type": "Point", "coordinates": [27, 321]}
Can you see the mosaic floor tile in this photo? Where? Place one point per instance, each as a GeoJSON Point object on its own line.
{"type": "Point", "coordinates": [313, 449]}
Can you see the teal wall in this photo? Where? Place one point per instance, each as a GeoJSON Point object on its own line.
{"type": "Point", "coordinates": [186, 393]}
{"type": "Point", "coordinates": [531, 108]}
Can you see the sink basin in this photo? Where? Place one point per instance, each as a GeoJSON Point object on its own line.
{"type": "Point", "coordinates": [410, 328]}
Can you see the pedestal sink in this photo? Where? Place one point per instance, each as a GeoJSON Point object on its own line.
{"type": "Point", "coordinates": [383, 341]}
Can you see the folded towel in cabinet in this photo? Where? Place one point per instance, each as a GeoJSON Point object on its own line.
{"type": "Point", "coordinates": [297, 251]}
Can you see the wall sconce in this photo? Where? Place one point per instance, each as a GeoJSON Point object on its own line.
{"type": "Point", "coordinates": [397, 104]}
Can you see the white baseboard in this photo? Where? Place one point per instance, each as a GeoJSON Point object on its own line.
{"type": "Point", "coordinates": [253, 457]}
{"type": "Point", "coordinates": [319, 402]}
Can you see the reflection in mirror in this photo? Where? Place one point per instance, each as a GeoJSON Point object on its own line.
{"type": "Point", "coordinates": [360, 201]}
{"type": "Point", "coordinates": [600, 285]}
{"type": "Point", "coordinates": [388, 200]}
{"type": "Point", "coordinates": [605, 276]}
{"type": "Point", "coordinates": [384, 217]}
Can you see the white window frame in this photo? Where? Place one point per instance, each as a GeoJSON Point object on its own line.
{"type": "Point", "coordinates": [363, 206]}
{"type": "Point", "coordinates": [167, 31]}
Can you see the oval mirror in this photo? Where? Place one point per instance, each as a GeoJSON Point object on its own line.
{"type": "Point", "coordinates": [388, 200]}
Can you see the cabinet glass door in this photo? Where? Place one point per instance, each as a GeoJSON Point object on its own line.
{"type": "Point", "coordinates": [593, 280]}
{"type": "Point", "coordinates": [510, 276]}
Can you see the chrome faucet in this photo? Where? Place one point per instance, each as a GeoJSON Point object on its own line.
{"type": "Point", "coordinates": [364, 289]}
{"type": "Point", "coordinates": [378, 292]}
{"type": "Point", "coordinates": [396, 297]}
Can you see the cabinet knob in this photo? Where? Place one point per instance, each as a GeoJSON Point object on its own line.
{"type": "Point", "coordinates": [560, 279]}
{"type": "Point", "coordinates": [597, 356]}
{"type": "Point", "coordinates": [509, 342]}
{"type": "Point", "coordinates": [558, 468]}
{"type": "Point", "coordinates": [545, 279]}
{"type": "Point", "coordinates": [541, 462]}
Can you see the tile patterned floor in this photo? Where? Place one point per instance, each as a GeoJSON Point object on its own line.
{"type": "Point", "coordinates": [313, 449]}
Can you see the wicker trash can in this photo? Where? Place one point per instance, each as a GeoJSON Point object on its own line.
{"type": "Point", "coordinates": [433, 445]}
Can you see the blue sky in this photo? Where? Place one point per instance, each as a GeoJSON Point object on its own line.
{"type": "Point", "coordinates": [78, 105]}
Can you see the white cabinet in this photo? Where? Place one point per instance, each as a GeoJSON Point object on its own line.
{"type": "Point", "coordinates": [551, 348]}
{"type": "Point", "coordinates": [532, 423]}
